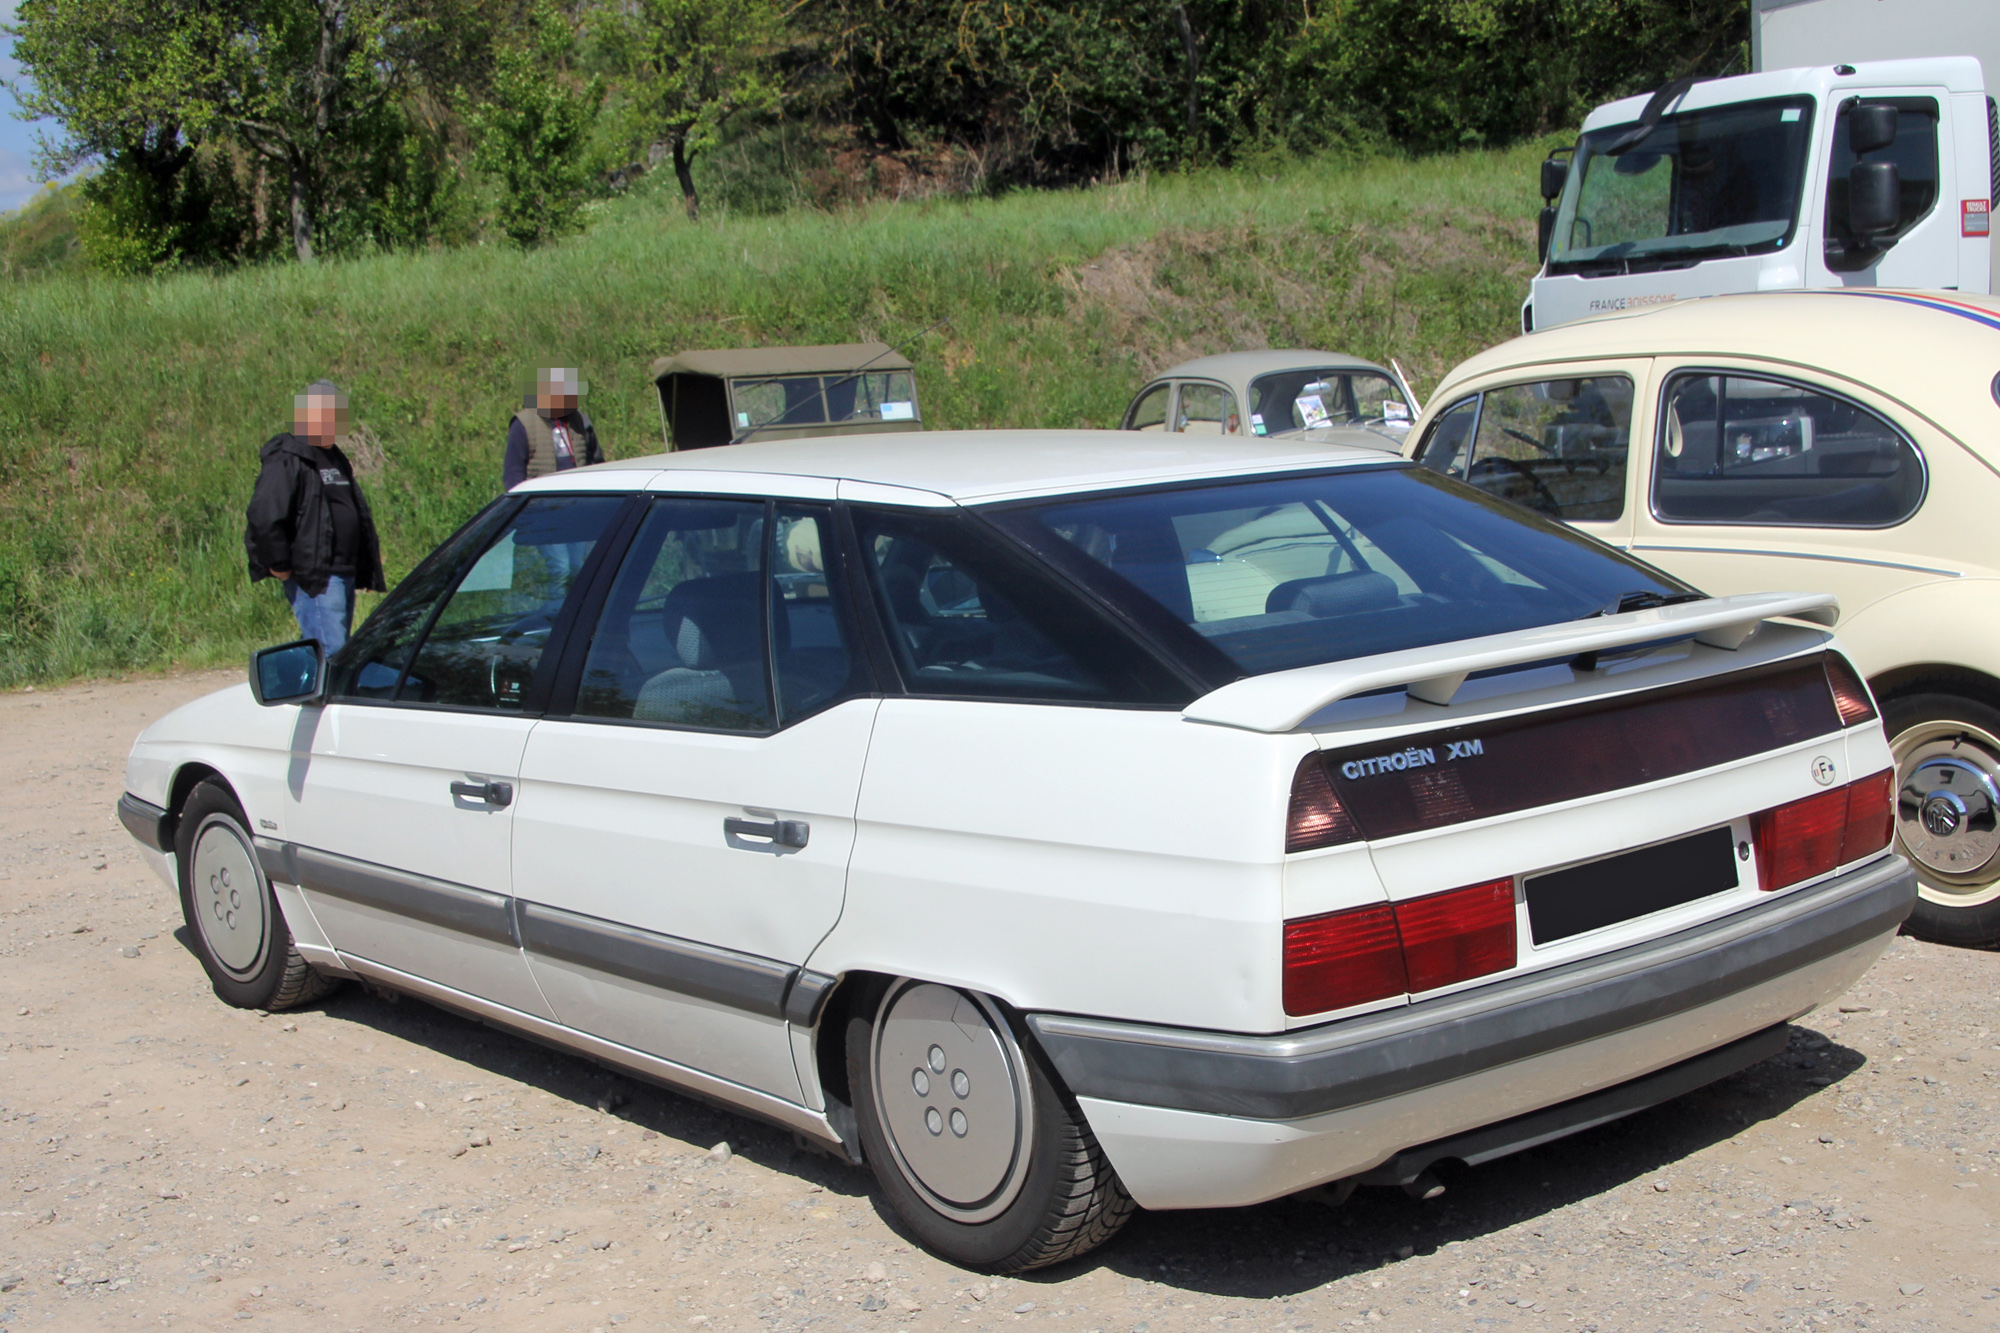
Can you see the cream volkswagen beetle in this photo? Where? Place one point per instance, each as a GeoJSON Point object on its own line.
{"type": "Point", "coordinates": [1844, 440]}
{"type": "Point", "coordinates": [1057, 823]}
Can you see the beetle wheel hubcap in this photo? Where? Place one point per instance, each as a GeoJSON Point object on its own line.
{"type": "Point", "coordinates": [228, 898]}
{"type": "Point", "coordinates": [950, 1084]}
{"type": "Point", "coordinates": [1948, 810]}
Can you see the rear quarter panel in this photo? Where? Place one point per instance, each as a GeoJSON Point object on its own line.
{"type": "Point", "coordinates": [1117, 863]}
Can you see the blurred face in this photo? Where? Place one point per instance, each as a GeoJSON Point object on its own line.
{"type": "Point", "coordinates": [319, 418]}
{"type": "Point", "coordinates": [556, 391]}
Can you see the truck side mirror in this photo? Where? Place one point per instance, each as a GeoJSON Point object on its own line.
{"type": "Point", "coordinates": [1555, 172]}
{"type": "Point", "coordinates": [1870, 127]}
{"type": "Point", "coordinates": [1545, 230]}
{"type": "Point", "coordinates": [291, 673]}
{"type": "Point", "coordinates": [1874, 198]}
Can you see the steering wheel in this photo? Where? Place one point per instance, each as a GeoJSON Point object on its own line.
{"type": "Point", "coordinates": [1545, 499]}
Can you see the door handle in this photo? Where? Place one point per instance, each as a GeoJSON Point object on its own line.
{"type": "Point", "coordinates": [499, 795]}
{"type": "Point", "coordinates": [780, 832]}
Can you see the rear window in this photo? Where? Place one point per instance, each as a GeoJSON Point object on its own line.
{"type": "Point", "coordinates": [1287, 572]}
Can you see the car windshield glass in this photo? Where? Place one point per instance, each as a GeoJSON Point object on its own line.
{"type": "Point", "coordinates": [1291, 571]}
{"type": "Point", "coordinates": [1721, 181]}
{"type": "Point", "coordinates": [818, 400]}
{"type": "Point", "coordinates": [1311, 398]}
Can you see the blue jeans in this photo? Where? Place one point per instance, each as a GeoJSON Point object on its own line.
{"type": "Point", "coordinates": [327, 617]}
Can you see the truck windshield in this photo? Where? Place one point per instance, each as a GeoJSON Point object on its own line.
{"type": "Point", "coordinates": [1720, 181]}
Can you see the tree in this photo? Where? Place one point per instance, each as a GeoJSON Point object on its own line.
{"type": "Point", "coordinates": [303, 86]}
{"type": "Point", "coordinates": [695, 64]}
{"type": "Point", "coordinates": [533, 134]}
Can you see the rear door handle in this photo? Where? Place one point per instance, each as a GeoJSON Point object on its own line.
{"type": "Point", "coordinates": [779, 832]}
{"type": "Point", "coordinates": [498, 795]}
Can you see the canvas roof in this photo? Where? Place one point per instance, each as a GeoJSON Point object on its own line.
{"type": "Point", "coordinates": [730, 363]}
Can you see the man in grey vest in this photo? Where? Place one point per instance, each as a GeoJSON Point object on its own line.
{"type": "Point", "coordinates": [550, 433]}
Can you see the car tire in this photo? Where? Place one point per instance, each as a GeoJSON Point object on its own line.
{"type": "Point", "coordinates": [975, 1143]}
{"type": "Point", "coordinates": [1947, 750]}
{"type": "Point", "coordinates": [233, 920]}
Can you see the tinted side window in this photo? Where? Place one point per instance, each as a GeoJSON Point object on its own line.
{"type": "Point", "coordinates": [1207, 409]}
{"type": "Point", "coordinates": [1150, 412]}
{"type": "Point", "coordinates": [1447, 443]}
{"type": "Point", "coordinates": [967, 618]}
{"type": "Point", "coordinates": [485, 645]}
{"type": "Point", "coordinates": [372, 663]}
{"type": "Point", "coordinates": [1557, 447]}
{"type": "Point", "coordinates": [682, 637]}
{"type": "Point", "coordinates": [1733, 449]}
{"type": "Point", "coordinates": [811, 640]}
{"type": "Point", "coordinates": [1915, 153]}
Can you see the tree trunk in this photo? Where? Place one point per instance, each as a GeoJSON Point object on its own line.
{"type": "Point", "coordinates": [686, 178]}
{"type": "Point", "coordinates": [1192, 45]}
{"type": "Point", "coordinates": [302, 223]}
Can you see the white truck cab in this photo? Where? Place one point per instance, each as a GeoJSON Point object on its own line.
{"type": "Point", "coordinates": [1871, 174]}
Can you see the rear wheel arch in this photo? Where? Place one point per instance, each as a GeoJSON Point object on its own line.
{"type": "Point", "coordinates": [1936, 678]}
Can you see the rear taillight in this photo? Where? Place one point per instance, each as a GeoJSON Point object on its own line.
{"type": "Point", "coordinates": [1341, 959]}
{"type": "Point", "coordinates": [1871, 816]}
{"type": "Point", "coordinates": [1456, 936]}
{"type": "Point", "coordinates": [1850, 696]}
{"type": "Point", "coordinates": [1316, 817]}
{"type": "Point", "coordinates": [1371, 953]}
{"type": "Point", "coordinates": [1806, 838]}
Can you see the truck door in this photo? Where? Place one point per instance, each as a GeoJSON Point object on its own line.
{"type": "Point", "coordinates": [1923, 248]}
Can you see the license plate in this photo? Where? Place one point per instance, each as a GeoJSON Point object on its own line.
{"type": "Point", "coordinates": [1618, 888]}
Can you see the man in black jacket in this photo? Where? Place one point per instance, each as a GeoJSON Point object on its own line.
{"type": "Point", "coordinates": [309, 525]}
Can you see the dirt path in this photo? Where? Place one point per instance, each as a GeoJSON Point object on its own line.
{"type": "Point", "coordinates": [167, 1161]}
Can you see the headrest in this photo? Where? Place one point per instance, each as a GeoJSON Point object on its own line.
{"type": "Point", "coordinates": [716, 620]}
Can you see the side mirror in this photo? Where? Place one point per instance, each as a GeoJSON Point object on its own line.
{"type": "Point", "coordinates": [1870, 127]}
{"type": "Point", "coordinates": [1555, 172]}
{"type": "Point", "coordinates": [1545, 230]}
{"type": "Point", "coordinates": [1874, 198]}
{"type": "Point", "coordinates": [291, 673]}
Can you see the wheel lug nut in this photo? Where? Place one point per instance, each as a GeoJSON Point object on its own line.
{"type": "Point", "coordinates": [960, 1084]}
{"type": "Point", "coordinates": [933, 1121]}
{"type": "Point", "coordinates": [921, 1082]}
{"type": "Point", "coordinates": [937, 1059]}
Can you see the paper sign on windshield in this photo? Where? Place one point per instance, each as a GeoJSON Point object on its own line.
{"type": "Point", "coordinates": [1311, 411]}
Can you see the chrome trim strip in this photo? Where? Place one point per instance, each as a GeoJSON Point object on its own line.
{"type": "Point", "coordinates": [680, 1078]}
{"type": "Point", "coordinates": [476, 912]}
{"type": "Point", "coordinates": [742, 981]}
{"type": "Point", "coordinates": [1804, 555]}
{"type": "Point", "coordinates": [1353, 1061]}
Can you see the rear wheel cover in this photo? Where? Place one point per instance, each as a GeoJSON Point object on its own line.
{"type": "Point", "coordinates": [950, 1085]}
{"type": "Point", "coordinates": [1948, 809]}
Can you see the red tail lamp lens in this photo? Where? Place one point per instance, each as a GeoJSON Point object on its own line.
{"type": "Point", "coordinates": [1342, 958]}
{"type": "Point", "coordinates": [1850, 696]}
{"type": "Point", "coordinates": [1871, 816]}
{"type": "Point", "coordinates": [1799, 840]}
{"type": "Point", "coordinates": [1455, 936]}
{"type": "Point", "coordinates": [1317, 818]}
{"type": "Point", "coordinates": [1806, 838]}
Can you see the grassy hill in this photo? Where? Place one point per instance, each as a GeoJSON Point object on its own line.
{"type": "Point", "coordinates": [131, 411]}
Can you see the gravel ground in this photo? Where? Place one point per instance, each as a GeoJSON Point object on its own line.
{"type": "Point", "coordinates": [367, 1164]}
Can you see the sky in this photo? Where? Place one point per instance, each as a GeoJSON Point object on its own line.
{"type": "Point", "coordinates": [17, 137]}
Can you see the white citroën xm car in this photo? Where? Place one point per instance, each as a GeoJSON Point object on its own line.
{"type": "Point", "coordinates": [1058, 822]}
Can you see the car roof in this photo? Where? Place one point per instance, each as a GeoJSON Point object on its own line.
{"type": "Point", "coordinates": [976, 466]}
{"type": "Point", "coordinates": [734, 361]}
{"type": "Point", "coordinates": [1937, 352]}
{"type": "Point", "coordinates": [1238, 365]}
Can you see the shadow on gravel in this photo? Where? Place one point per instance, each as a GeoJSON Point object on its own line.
{"type": "Point", "coordinates": [1278, 1249]}
{"type": "Point", "coordinates": [590, 1086]}
{"type": "Point", "coordinates": [1287, 1247]}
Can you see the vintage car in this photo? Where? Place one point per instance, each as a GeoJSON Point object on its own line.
{"type": "Point", "coordinates": [1057, 822]}
{"type": "Point", "coordinates": [734, 395]}
{"type": "Point", "coordinates": [1845, 440]}
{"type": "Point", "coordinates": [1330, 396]}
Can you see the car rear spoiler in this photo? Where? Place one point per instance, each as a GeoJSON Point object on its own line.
{"type": "Point", "coordinates": [1282, 700]}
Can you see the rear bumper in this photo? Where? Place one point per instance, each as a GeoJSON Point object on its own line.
{"type": "Point", "coordinates": [1205, 1119]}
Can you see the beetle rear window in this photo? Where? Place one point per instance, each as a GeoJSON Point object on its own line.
{"type": "Point", "coordinates": [1287, 572]}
